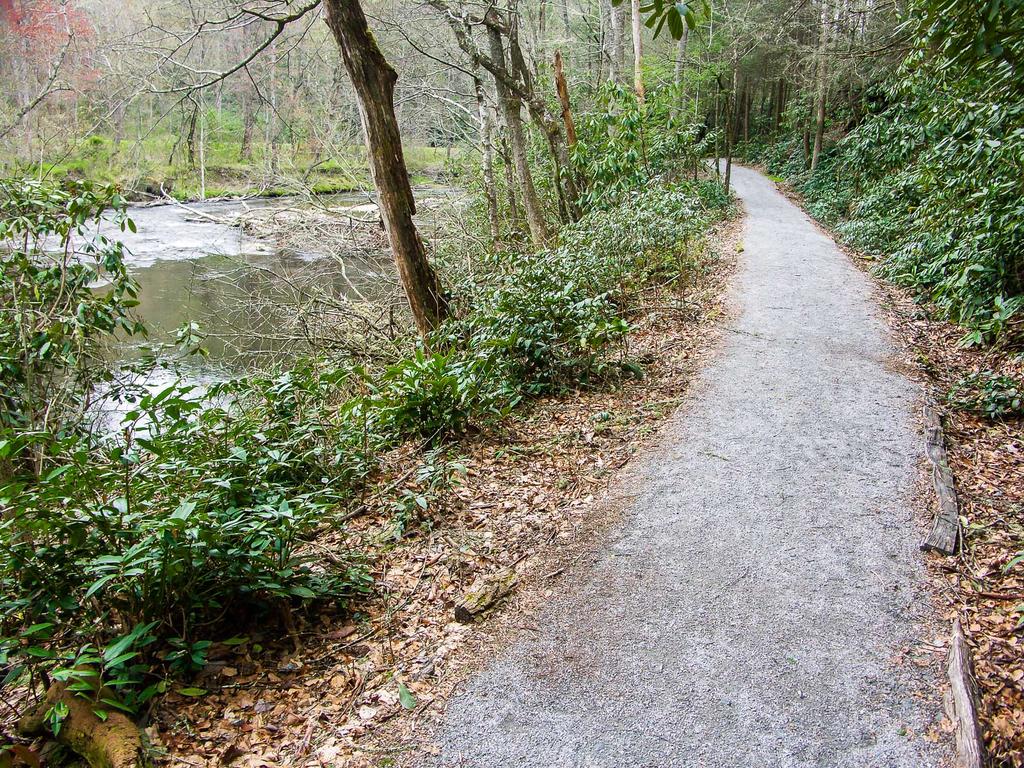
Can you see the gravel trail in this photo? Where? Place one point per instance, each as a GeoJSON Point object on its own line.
{"type": "Point", "coordinates": [753, 607]}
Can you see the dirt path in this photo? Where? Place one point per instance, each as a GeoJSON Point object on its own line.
{"type": "Point", "coordinates": [756, 605]}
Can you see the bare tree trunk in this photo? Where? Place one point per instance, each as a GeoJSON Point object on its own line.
{"type": "Point", "coordinates": [248, 125]}
{"type": "Point", "coordinates": [511, 106]}
{"type": "Point", "coordinates": [730, 108]}
{"type": "Point", "coordinates": [680, 67]}
{"type": "Point", "coordinates": [271, 137]}
{"type": "Point", "coordinates": [510, 185]}
{"type": "Point", "coordinates": [563, 97]}
{"type": "Point", "coordinates": [718, 124]}
{"type": "Point", "coordinates": [374, 82]}
{"type": "Point", "coordinates": [119, 114]}
{"type": "Point", "coordinates": [638, 53]}
{"type": "Point", "coordinates": [746, 113]}
{"type": "Point", "coordinates": [819, 96]}
{"type": "Point", "coordinates": [779, 103]}
{"type": "Point", "coordinates": [565, 182]}
{"type": "Point", "coordinates": [202, 148]}
{"type": "Point", "coordinates": [190, 137]}
{"type": "Point", "coordinates": [616, 43]}
{"type": "Point", "coordinates": [487, 154]}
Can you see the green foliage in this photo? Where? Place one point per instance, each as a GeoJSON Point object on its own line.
{"type": "Point", "coordinates": [129, 552]}
{"type": "Point", "coordinates": [191, 518]}
{"type": "Point", "coordinates": [50, 316]}
{"type": "Point", "coordinates": [931, 182]}
{"type": "Point", "coordinates": [193, 514]}
{"type": "Point", "coordinates": [637, 145]}
{"type": "Point", "coordinates": [679, 15]}
{"type": "Point", "coordinates": [988, 394]}
{"type": "Point", "coordinates": [432, 395]}
{"type": "Point", "coordinates": [556, 318]}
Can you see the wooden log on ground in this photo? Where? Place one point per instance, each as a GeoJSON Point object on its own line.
{"type": "Point", "coordinates": [111, 743]}
{"type": "Point", "coordinates": [962, 702]}
{"type": "Point", "coordinates": [945, 531]}
{"type": "Point", "coordinates": [485, 592]}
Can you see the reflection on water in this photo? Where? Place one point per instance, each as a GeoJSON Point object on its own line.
{"type": "Point", "coordinates": [244, 304]}
{"type": "Point", "coordinates": [193, 266]}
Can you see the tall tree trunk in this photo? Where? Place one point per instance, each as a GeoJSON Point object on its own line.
{"type": "Point", "coordinates": [820, 90]}
{"type": "Point", "coordinates": [746, 114]}
{"type": "Point", "coordinates": [271, 134]}
{"type": "Point", "coordinates": [730, 108]}
{"type": "Point", "coordinates": [511, 112]}
{"type": "Point", "coordinates": [248, 125]}
{"type": "Point", "coordinates": [677, 78]}
{"type": "Point", "coordinates": [616, 42]}
{"type": "Point", "coordinates": [565, 182]}
{"type": "Point", "coordinates": [638, 53]}
{"type": "Point", "coordinates": [487, 154]}
{"type": "Point", "coordinates": [202, 149]}
{"type": "Point", "coordinates": [374, 82]}
{"type": "Point", "coordinates": [190, 137]}
{"type": "Point", "coordinates": [718, 124]}
{"type": "Point", "coordinates": [510, 184]}
{"type": "Point", "coordinates": [780, 98]}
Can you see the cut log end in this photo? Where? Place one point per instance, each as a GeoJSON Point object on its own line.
{"type": "Point", "coordinates": [486, 592]}
{"type": "Point", "coordinates": [114, 742]}
{"type": "Point", "coordinates": [962, 702]}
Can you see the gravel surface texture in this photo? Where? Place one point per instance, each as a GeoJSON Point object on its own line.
{"type": "Point", "coordinates": [756, 605]}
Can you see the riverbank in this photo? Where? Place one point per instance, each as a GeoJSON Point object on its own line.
{"type": "Point", "coordinates": [351, 690]}
{"type": "Point", "coordinates": [150, 169]}
{"type": "Point", "coordinates": [260, 516]}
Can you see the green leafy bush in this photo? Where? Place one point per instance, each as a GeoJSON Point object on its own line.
{"type": "Point", "coordinates": [556, 318]}
{"type": "Point", "coordinates": [189, 521]}
{"type": "Point", "coordinates": [623, 146]}
{"type": "Point", "coordinates": [121, 549]}
{"type": "Point", "coordinates": [50, 318]}
{"type": "Point", "coordinates": [988, 394]}
{"type": "Point", "coordinates": [432, 395]}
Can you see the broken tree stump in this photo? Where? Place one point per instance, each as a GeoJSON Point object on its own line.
{"type": "Point", "coordinates": [484, 593]}
{"type": "Point", "coordinates": [962, 702]}
{"type": "Point", "coordinates": [946, 529]}
{"type": "Point", "coordinates": [114, 742]}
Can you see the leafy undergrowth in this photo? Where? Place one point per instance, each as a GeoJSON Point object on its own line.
{"type": "Point", "coordinates": [343, 689]}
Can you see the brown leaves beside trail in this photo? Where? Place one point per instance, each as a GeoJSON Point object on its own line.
{"type": "Point", "coordinates": [343, 686]}
{"type": "Point", "coordinates": [987, 458]}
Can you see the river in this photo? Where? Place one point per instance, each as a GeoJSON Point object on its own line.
{"type": "Point", "coordinates": [194, 266]}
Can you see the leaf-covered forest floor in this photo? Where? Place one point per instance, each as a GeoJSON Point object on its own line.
{"type": "Point", "coordinates": [344, 690]}
{"type": "Point", "coordinates": [987, 458]}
